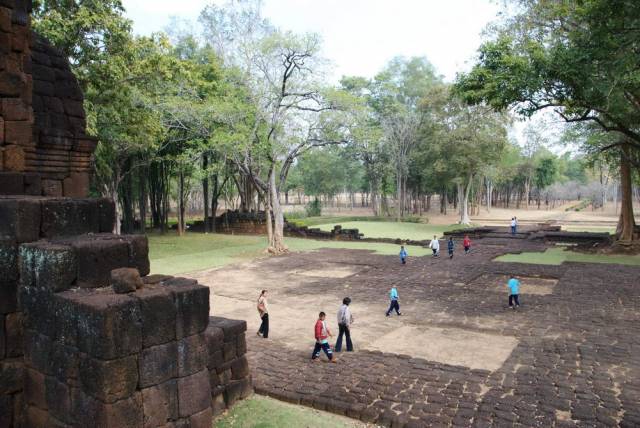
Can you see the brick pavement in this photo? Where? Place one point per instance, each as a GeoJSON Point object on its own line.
{"type": "Point", "coordinates": [576, 362]}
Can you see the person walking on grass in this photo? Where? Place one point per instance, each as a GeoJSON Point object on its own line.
{"type": "Point", "coordinates": [345, 319]}
{"type": "Point", "coordinates": [393, 295]}
{"type": "Point", "coordinates": [450, 247]}
{"type": "Point", "coordinates": [263, 311]}
{"type": "Point", "coordinates": [435, 246]}
{"type": "Point", "coordinates": [322, 333]}
{"type": "Point", "coordinates": [514, 291]}
{"type": "Point", "coordinates": [403, 255]}
{"type": "Point", "coordinates": [466, 243]}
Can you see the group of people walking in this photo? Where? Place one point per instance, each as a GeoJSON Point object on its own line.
{"type": "Point", "coordinates": [322, 333]}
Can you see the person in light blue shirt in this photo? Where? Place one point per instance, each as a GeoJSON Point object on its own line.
{"type": "Point", "coordinates": [393, 295]}
{"type": "Point", "coordinates": [403, 255]}
{"type": "Point", "coordinates": [514, 291]}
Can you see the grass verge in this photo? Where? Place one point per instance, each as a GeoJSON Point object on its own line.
{"type": "Point", "coordinates": [171, 254]}
{"type": "Point", "coordinates": [556, 256]}
{"type": "Point", "coordinates": [263, 412]}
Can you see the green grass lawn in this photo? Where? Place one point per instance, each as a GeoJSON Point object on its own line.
{"type": "Point", "coordinates": [377, 229]}
{"type": "Point", "coordinates": [597, 229]}
{"type": "Point", "coordinates": [171, 254]}
{"type": "Point", "coordinates": [555, 256]}
{"type": "Point", "coordinates": [263, 412]}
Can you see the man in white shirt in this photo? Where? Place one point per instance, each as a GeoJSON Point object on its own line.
{"type": "Point", "coordinates": [435, 246]}
{"type": "Point", "coordinates": [514, 224]}
{"type": "Point", "coordinates": [345, 319]}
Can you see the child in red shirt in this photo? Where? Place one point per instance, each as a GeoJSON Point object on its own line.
{"type": "Point", "coordinates": [321, 334]}
{"type": "Point", "coordinates": [467, 244]}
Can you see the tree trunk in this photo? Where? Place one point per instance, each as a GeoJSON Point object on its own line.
{"type": "Point", "coordinates": [276, 242]}
{"type": "Point", "coordinates": [463, 196]}
{"type": "Point", "coordinates": [181, 207]}
{"type": "Point", "coordinates": [205, 192]}
{"type": "Point", "coordinates": [626, 223]}
{"type": "Point", "coordinates": [142, 198]}
{"type": "Point", "coordinates": [489, 183]}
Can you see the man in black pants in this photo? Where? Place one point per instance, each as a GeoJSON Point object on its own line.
{"type": "Point", "coordinates": [345, 319]}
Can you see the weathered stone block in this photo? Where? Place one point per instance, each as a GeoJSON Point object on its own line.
{"type": "Point", "coordinates": [14, 330]}
{"type": "Point", "coordinates": [35, 417]}
{"type": "Point", "coordinates": [48, 266]}
{"type": "Point", "coordinates": [202, 419]}
{"type": "Point", "coordinates": [52, 188]}
{"type": "Point", "coordinates": [11, 183]}
{"type": "Point", "coordinates": [12, 376]}
{"type": "Point", "coordinates": [76, 185]}
{"type": "Point", "coordinates": [38, 309]}
{"type": "Point", "coordinates": [32, 184]}
{"type": "Point", "coordinates": [20, 219]}
{"type": "Point", "coordinates": [216, 359]}
{"type": "Point", "coordinates": [158, 315]}
{"type": "Point", "coordinates": [14, 158]}
{"type": "Point", "coordinates": [15, 109]}
{"type": "Point", "coordinates": [108, 325]}
{"type": "Point", "coordinates": [239, 368]}
{"type": "Point", "coordinates": [192, 306]}
{"type": "Point", "coordinates": [69, 217]}
{"type": "Point", "coordinates": [106, 215]}
{"type": "Point", "coordinates": [218, 405]}
{"type": "Point", "coordinates": [192, 354]}
{"type": "Point", "coordinates": [60, 398]}
{"type": "Point", "coordinates": [231, 328]}
{"type": "Point", "coordinates": [66, 318]}
{"type": "Point", "coordinates": [110, 380]}
{"type": "Point", "coordinates": [91, 412]}
{"type": "Point", "coordinates": [11, 83]}
{"type": "Point", "coordinates": [155, 278]}
{"type": "Point", "coordinates": [18, 132]}
{"type": "Point", "coordinates": [158, 364]}
{"type": "Point", "coordinates": [194, 393]}
{"type": "Point", "coordinates": [241, 345]}
{"type": "Point", "coordinates": [6, 410]}
{"type": "Point", "coordinates": [97, 258]}
{"type": "Point", "coordinates": [160, 404]}
{"type": "Point", "coordinates": [64, 363]}
{"type": "Point", "coordinates": [233, 392]}
{"type": "Point", "coordinates": [229, 351]}
{"type": "Point", "coordinates": [2, 338]}
{"type": "Point", "coordinates": [9, 280]}
{"type": "Point", "coordinates": [37, 350]}
{"type": "Point", "coordinates": [125, 280]}
{"type": "Point", "coordinates": [139, 253]}
{"type": "Point", "coordinates": [34, 388]}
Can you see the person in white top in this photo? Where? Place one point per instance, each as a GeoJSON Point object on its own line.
{"type": "Point", "coordinates": [514, 225]}
{"type": "Point", "coordinates": [263, 311]}
{"type": "Point", "coordinates": [435, 246]}
{"type": "Point", "coordinates": [345, 319]}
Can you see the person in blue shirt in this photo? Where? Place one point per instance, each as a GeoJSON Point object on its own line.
{"type": "Point", "coordinates": [450, 247]}
{"type": "Point", "coordinates": [403, 255]}
{"type": "Point", "coordinates": [393, 295]}
{"type": "Point", "coordinates": [514, 291]}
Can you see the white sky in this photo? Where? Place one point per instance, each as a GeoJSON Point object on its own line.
{"type": "Point", "coordinates": [361, 36]}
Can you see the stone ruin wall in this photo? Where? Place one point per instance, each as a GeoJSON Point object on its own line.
{"type": "Point", "coordinates": [44, 149]}
{"type": "Point", "coordinates": [75, 351]}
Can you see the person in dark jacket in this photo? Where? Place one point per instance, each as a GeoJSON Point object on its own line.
{"type": "Point", "coordinates": [450, 247]}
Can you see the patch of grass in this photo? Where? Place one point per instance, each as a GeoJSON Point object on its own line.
{"type": "Point", "coordinates": [171, 254]}
{"type": "Point", "coordinates": [555, 256]}
{"type": "Point", "coordinates": [314, 221]}
{"type": "Point", "coordinates": [375, 229]}
{"type": "Point", "coordinates": [263, 412]}
{"type": "Point", "coordinates": [596, 229]}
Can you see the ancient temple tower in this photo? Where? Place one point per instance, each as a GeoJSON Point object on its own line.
{"type": "Point", "coordinates": [87, 337]}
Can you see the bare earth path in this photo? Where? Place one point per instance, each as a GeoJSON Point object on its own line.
{"type": "Point", "coordinates": [569, 357]}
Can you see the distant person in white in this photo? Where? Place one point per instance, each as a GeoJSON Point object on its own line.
{"type": "Point", "coordinates": [514, 225]}
{"type": "Point", "coordinates": [435, 246]}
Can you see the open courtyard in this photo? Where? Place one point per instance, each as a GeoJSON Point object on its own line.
{"type": "Point", "coordinates": [457, 355]}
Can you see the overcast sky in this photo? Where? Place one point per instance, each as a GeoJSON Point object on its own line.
{"type": "Point", "coordinates": [361, 36]}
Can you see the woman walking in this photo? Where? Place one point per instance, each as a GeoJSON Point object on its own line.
{"type": "Point", "coordinates": [263, 310]}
